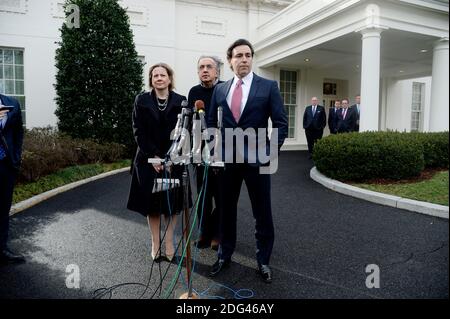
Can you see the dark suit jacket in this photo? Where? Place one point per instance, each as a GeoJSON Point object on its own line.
{"type": "Point", "coordinates": [333, 119]}
{"type": "Point", "coordinates": [264, 102]}
{"type": "Point", "coordinates": [348, 124]}
{"type": "Point", "coordinates": [355, 108]}
{"type": "Point", "coordinates": [12, 134]}
{"type": "Point", "coordinates": [316, 122]}
{"type": "Point", "coordinates": [153, 139]}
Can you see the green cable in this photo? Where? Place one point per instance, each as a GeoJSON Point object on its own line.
{"type": "Point", "coordinates": [177, 274]}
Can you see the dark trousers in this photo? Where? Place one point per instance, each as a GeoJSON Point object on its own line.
{"type": "Point", "coordinates": [258, 186]}
{"type": "Point", "coordinates": [7, 177]}
{"type": "Point", "coordinates": [210, 217]}
{"type": "Point", "coordinates": [312, 136]}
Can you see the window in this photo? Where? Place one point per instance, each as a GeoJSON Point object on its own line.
{"type": "Point", "coordinates": [418, 98]}
{"type": "Point", "coordinates": [138, 15]}
{"type": "Point", "coordinates": [288, 89]}
{"type": "Point", "coordinates": [12, 75]}
{"type": "Point", "coordinates": [211, 26]}
{"type": "Point", "coordinates": [16, 6]}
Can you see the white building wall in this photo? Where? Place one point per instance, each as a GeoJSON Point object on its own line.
{"type": "Point", "coordinates": [36, 31]}
{"type": "Point", "coordinates": [204, 30]}
{"type": "Point", "coordinates": [399, 101]}
{"type": "Point", "coordinates": [170, 31]}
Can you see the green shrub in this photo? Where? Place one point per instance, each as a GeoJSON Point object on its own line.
{"type": "Point", "coordinates": [435, 148]}
{"type": "Point", "coordinates": [46, 151]}
{"type": "Point", "coordinates": [98, 74]}
{"type": "Point", "coordinates": [368, 155]}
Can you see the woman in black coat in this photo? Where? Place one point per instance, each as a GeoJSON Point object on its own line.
{"type": "Point", "coordinates": [154, 118]}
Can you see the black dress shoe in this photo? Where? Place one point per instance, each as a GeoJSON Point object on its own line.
{"type": "Point", "coordinates": [8, 257]}
{"type": "Point", "coordinates": [218, 266]}
{"type": "Point", "coordinates": [202, 243]}
{"type": "Point", "coordinates": [266, 273]}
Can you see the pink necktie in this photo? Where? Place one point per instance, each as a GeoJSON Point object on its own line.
{"type": "Point", "coordinates": [345, 113]}
{"type": "Point", "coordinates": [236, 101]}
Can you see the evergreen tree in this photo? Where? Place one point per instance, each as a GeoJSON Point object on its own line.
{"type": "Point", "coordinates": [98, 74]}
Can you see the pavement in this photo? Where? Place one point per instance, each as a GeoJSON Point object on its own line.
{"type": "Point", "coordinates": [324, 243]}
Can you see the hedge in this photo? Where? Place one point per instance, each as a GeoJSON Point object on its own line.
{"type": "Point", "coordinates": [390, 155]}
{"type": "Point", "coordinates": [435, 148]}
{"type": "Point", "coordinates": [45, 151]}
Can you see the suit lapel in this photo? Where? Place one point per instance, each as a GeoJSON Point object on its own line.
{"type": "Point", "coordinates": [225, 90]}
{"type": "Point", "coordinates": [251, 95]}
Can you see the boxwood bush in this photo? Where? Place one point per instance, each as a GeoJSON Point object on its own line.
{"type": "Point", "coordinates": [435, 148]}
{"type": "Point", "coordinates": [368, 155]}
{"type": "Point", "coordinates": [45, 151]}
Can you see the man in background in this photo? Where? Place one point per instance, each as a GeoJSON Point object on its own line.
{"type": "Point", "coordinates": [314, 121]}
{"type": "Point", "coordinates": [347, 118]}
{"type": "Point", "coordinates": [208, 69]}
{"type": "Point", "coordinates": [356, 108]}
{"type": "Point", "coordinates": [333, 117]}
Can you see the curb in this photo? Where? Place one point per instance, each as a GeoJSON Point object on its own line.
{"type": "Point", "coordinates": [425, 208]}
{"type": "Point", "coordinates": [30, 202]}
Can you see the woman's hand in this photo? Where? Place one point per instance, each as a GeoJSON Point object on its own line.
{"type": "Point", "coordinates": [158, 167]}
{"type": "Point", "coordinates": [3, 113]}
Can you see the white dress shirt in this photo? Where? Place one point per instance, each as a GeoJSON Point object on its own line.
{"type": "Point", "coordinates": [246, 85]}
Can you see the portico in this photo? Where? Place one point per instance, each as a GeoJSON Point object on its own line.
{"type": "Point", "coordinates": [367, 48]}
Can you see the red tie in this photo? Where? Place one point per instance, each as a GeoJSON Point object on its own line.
{"type": "Point", "coordinates": [236, 101]}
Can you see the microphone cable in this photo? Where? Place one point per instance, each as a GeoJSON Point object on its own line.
{"type": "Point", "coordinates": [104, 291]}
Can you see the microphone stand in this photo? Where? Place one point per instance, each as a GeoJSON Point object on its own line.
{"type": "Point", "coordinates": [186, 186]}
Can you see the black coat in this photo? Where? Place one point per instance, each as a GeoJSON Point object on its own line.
{"type": "Point", "coordinates": [151, 129]}
{"type": "Point", "coordinates": [316, 122]}
{"type": "Point", "coordinates": [349, 123]}
{"type": "Point", "coordinates": [333, 119]}
{"type": "Point", "coordinates": [355, 108]}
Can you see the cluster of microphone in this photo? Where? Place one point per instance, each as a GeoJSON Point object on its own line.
{"type": "Point", "coordinates": [191, 129]}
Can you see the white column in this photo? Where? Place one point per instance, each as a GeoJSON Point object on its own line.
{"type": "Point", "coordinates": [370, 79]}
{"type": "Point", "coordinates": [439, 88]}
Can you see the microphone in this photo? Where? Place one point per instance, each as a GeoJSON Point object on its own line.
{"type": "Point", "coordinates": [219, 117]}
{"type": "Point", "coordinates": [176, 134]}
{"type": "Point", "coordinates": [196, 139]}
{"type": "Point", "coordinates": [184, 130]}
{"type": "Point", "coordinates": [179, 129]}
{"type": "Point", "coordinates": [218, 136]}
{"type": "Point", "coordinates": [200, 108]}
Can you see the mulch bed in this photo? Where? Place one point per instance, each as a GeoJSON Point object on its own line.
{"type": "Point", "coordinates": [425, 175]}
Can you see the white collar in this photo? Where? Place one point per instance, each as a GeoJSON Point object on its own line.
{"type": "Point", "coordinates": [247, 80]}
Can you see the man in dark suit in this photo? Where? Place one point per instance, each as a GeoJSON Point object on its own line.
{"type": "Point", "coordinates": [314, 121]}
{"type": "Point", "coordinates": [208, 68]}
{"type": "Point", "coordinates": [11, 139]}
{"type": "Point", "coordinates": [356, 108]}
{"type": "Point", "coordinates": [346, 119]}
{"type": "Point", "coordinates": [248, 102]}
{"type": "Point", "coordinates": [333, 117]}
